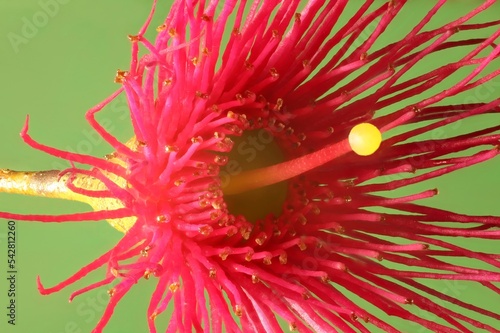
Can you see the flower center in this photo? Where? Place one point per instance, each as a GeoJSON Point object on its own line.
{"type": "Point", "coordinates": [253, 179]}
{"type": "Point", "coordinates": [254, 150]}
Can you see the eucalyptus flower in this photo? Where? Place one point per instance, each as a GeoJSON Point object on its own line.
{"type": "Point", "coordinates": [261, 181]}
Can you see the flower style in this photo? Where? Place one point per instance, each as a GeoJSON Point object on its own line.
{"type": "Point", "coordinates": [300, 81]}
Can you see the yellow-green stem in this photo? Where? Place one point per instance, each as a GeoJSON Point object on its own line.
{"type": "Point", "coordinates": [37, 183]}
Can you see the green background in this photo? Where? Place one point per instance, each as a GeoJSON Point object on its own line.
{"type": "Point", "coordinates": [65, 67]}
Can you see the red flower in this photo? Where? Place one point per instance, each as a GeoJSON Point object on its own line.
{"type": "Point", "coordinates": [298, 81]}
